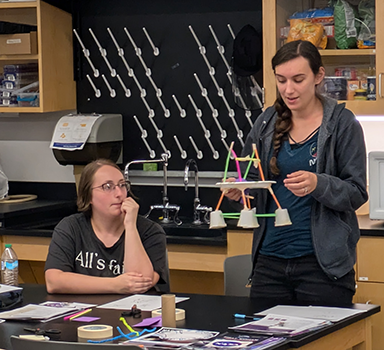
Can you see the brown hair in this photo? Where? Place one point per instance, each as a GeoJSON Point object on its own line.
{"type": "Point", "coordinates": [84, 193]}
{"type": "Point", "coordinates": [283, 124]}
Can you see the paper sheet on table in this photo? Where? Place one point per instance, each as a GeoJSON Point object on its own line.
{"type": "Point", "coordinates": [333, 314]}
{"type": "Point", "coordinates": [76, 305]}
{"type": "Point", "coordinates": [143, 302]}
{"type": "Point", "coordinates": [150, 322]}
{"type": "Point", "coordinates": [35, 312]}
{"type": "Point", "coordinates": [71, 132]}
{"type": "Point", "coordinates": [4, 288]}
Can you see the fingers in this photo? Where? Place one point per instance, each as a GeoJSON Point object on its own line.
{"type": "Point", "coordinates": [231, 193]}
{"type": "Point", "coordinates": [129, 204]}
{"type": "Point", "coordinates": [130, 208]}
{"type": "Point", "coordinates": [132, 282]}
{"type": "Point", "coordinates": [301, 183]}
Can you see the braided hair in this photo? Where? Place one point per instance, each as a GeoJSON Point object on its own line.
{"type": "Point", "coordinates": [283, 123]}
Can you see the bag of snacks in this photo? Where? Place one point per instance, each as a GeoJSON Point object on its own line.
{"type": "Point", "coordinates": [305, 30]}
{"type": "Point", "coordinates": [345, 25]}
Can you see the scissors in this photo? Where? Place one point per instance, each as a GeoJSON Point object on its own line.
{"type": "Point", "coordinates": [39, 331]}
{"type": "Point", "coordinates": [134, 312]}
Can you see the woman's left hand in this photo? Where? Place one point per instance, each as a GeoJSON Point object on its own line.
{"type": "Point", "coordinates": [301, 182]}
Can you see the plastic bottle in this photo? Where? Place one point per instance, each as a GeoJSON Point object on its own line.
{"type": "Point", "coordinates": [9, 266]}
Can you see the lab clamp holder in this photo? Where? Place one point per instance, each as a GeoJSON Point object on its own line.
{"type": "Point", "coordinates": [198, 209]}
{"type": "Point", "coordinates": [165, 207]}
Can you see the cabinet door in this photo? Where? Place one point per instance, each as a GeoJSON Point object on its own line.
{"type": "Point", "coordinates": [370, 259]}
{"type": "Point", "coordinates": [350, 62]}
{"type": "Point", "coordinates": [374, 294]}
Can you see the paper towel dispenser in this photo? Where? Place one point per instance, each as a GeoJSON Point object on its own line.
{"type": "Point", "coordinates": [105, 140]}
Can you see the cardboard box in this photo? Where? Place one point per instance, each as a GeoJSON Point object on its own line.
{"type": "Point", "coordinates": [18, 44]}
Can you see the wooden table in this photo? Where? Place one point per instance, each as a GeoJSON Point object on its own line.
{"type": "Point", "coordinates": [207, 312]}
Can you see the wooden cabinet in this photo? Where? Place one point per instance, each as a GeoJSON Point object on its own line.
{"type": "Point", "coordinates": [54, 56]}
{"type": "Point", "coordinates": [370, 282]}
{"type": "Point", "coordinates": [275, 15]}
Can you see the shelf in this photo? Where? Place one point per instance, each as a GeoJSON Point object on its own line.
{"type": "Point", "coordinates": [12, 5]}
{"type": "Point", "coordinates": [20, 109]}
{"type": "Point", "coordinates": [19, 57]}
{"type": "Point", "coordinates": [351, 52]}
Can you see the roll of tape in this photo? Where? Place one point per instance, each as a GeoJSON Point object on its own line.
{"type": "Point", "coordinates": [96, 331]}
{"type": "Point", "coordinates": [179, 313]}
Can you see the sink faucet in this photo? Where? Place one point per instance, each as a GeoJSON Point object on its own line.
{"type": "Point", "coordinates": [165, 207]}
{"type": "Point", "coordinates": [197, 207]}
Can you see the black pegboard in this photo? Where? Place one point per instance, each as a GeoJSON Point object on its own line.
{"type": "Point", "coordinates": [172, 71]}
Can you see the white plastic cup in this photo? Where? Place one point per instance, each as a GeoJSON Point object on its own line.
{"type": "Point", "coordinates": [282, 217]}
{"type": "Point", "coordinates": [248, 219]}
{"type": "Point", "coordinates": [216, 219]}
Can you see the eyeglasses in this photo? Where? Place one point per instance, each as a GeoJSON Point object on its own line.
{"type": "Point", "coordinates": [109, 187]}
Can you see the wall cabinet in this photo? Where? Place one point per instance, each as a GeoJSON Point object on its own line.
{"type": "Point", "coordinates": [54, 56]}
{"type": "Point", "coordinates": [275, 16]}
{"type": "Point", "coordinates": [370, 282]}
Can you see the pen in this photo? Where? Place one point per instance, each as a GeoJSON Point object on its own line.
{"type": "Point", "coordinates": [245, 316]}
{"type": "Point", "coordinates": [70, 317]}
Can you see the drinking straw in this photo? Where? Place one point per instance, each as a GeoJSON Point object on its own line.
{"type": "Point", "coordinates": [237, 165]}
{"type": "Point", "coordinates": [257, 157]}
{"type": "Point", "coordinates": [248, 202]}
{"type": "Point", "coordinates": [244, 200]}
{"type": "Point", "coordinates": [237, 215]}
{"type": "Point", "coordinates": [227, 161]}
{"type": "Point", "coordinates": [220, 200]}
{"type": "Point", "coordinates": [274, 197]}
{"type": "Point", "coordinates": [262, 177]}
{"type": "Point", "coordinates": [225, 174]}
{"type": "Point", "coordinates": [249, 166]}
{"type": "Point", "coordinates": [80, 314]}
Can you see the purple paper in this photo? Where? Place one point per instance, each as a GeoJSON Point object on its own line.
{"type": "Point", "coordinates": [149, 322]}
{"type": "Point", "coordinates": [86, 319]}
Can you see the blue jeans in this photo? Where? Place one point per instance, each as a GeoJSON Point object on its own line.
{"type": "Point", "coordinates": [299, 281]}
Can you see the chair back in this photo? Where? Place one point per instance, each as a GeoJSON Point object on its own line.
{"type": "Point", "coordinates": [28, 344]}
{"type": "Point", "coordinates": [237, 270]}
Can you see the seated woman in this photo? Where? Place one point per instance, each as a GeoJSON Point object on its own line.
{"type": "Point", "coordinates": [107, 247]}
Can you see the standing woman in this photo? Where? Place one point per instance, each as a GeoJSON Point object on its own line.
{"type": "Point", "coordinates": [107, 247]}
{"type": "Point", "coordinates": [315, 151]}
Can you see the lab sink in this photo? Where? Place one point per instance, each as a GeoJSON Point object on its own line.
{"type": "Point", "coordinates": [190, 233]}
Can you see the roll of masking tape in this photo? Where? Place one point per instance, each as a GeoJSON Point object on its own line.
{"type": "Point", "coordinates": [97, 331]}
{"type": "Point", "coordinates": [179, 313]}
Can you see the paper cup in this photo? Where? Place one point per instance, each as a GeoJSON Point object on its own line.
{"type": "Point", "coordinates": [282, 218]}
{"type": "Point", "coordinates": [248, 219]}
{"type": "Point", "coordinates": [216, 219]}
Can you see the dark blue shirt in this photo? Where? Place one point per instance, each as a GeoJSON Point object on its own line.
{"type": "Point", "coordinates": [294, 240]}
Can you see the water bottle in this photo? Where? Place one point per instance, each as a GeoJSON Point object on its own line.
{"type": "Point", "coordinates": [9, 266]}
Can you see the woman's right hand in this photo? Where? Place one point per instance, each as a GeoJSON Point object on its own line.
{"type": "Point", "coordinates": [232, 193]}
{"type": "Point", "coordinates": [132, 283]}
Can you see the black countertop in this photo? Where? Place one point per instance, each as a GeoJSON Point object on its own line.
{"type": "Point", "coordinates": [35, 213]}
{"type": "Point", "coordinates": [38, 218]}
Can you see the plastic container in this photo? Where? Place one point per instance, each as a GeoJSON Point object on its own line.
{"type": "Point", "coordinates": [360, 94]}
{"type": "Point", "coordinates": [371, 88]}
{"type": "Point", "coordinates": [335, 87]}
{"type": "Point", "coordinates": [28, 99]}
{"type": "Point", "coordinates": [9, 266]}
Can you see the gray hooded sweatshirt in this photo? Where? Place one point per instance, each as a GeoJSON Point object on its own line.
{"type": "Point", "coordinates": [341, 185]}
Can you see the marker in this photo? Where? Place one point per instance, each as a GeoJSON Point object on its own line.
{"type": "Point", "coordinates": [246, 317]}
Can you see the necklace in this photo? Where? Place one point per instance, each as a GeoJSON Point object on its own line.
{"type": "Point", "coordinates": [306, 139]}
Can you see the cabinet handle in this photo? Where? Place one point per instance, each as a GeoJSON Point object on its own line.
{"type": "Point", "coordinates": [380, 76]}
